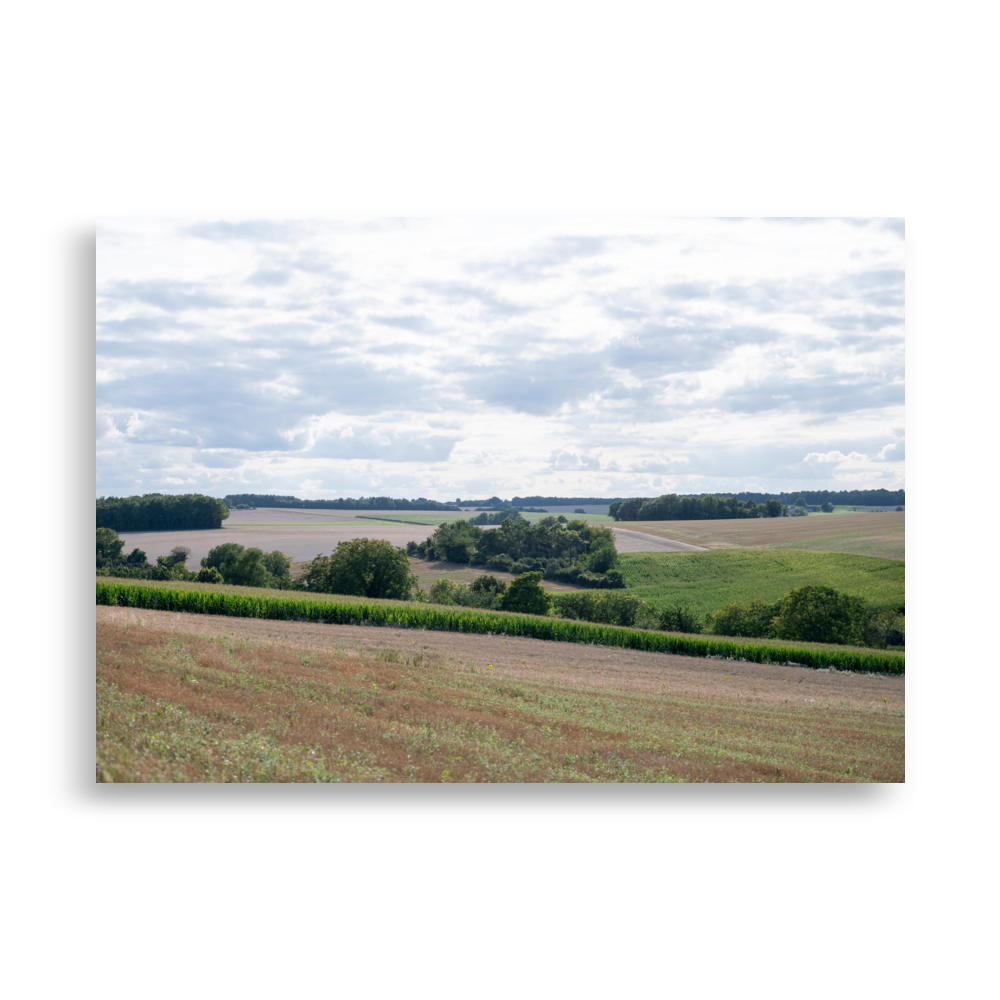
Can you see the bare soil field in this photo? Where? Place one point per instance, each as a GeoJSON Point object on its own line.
{"type": "Point", "coordinates": [206, 698]}
{"type": "Point", "coordinates": [427, 573]}
{"type": "Point", "coordinates": [637, 540]}
{"type": "Point", "coordinates": [856, 533]}
{"type": "Point", "coordinates": [303, 540]}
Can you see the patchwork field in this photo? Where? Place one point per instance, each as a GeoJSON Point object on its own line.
{"type": "Point", "coordinates": [706, 581]}
{"type": "Point", "coordinates": [202, 698]}
{"type": "Point", "coordinates": [882, 535]}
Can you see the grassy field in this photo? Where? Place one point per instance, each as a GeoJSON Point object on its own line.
{"type": "Point", "coordinates": [253, 707]}
{"type": "Point", "coordinates": [706, 581]}
{"type": "Point", "coordinates": [882, 535]}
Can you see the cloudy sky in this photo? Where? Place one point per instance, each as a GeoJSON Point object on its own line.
{"type": "Point", "coordinates": [467, 356]}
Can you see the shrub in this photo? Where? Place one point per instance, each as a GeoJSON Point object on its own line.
{"type": "Point", "coordinates": [502, 562]}
{"type": "Point", "coordinates": [678, 619]}
{"type": "Point", "coordinates": [525, 595]}
{"type": "Point", "coordinates": [821, 614]}
{"type": "Point", "coordinates": [209, 574]}
{"type": "Point", "coordinates": [753, 620]}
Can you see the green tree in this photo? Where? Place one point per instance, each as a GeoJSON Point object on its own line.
{"type": "Point", "coordinates": [827, 507]}
{"type": "Point", "coordinates": [238, 566]}
{"type": "Point", "coordinates": [821, 614]}
{"type": "Point", "coordinates": [365, 567]}
{"type": "Point", "coordinates": [109, 546]}
{"type": "Point", "coordinates": [525, 595]}
{"type": "Point", "coordinates": [279, 569]}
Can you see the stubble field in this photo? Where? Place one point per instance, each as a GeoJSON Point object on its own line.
{"type": "Point", "coordinates": [882, 535]}
{"type": "Point", "coordinates": [182, 698]}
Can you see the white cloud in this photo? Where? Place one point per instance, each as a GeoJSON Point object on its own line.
{"type": "Point", "coordinates": [426, 356]}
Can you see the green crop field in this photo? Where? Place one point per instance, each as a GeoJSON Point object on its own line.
{"type": "Point", "coordinates": [707, 581]}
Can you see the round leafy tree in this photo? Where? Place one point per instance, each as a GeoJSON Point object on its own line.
{"type": "Point", "coordinates": [525, 595]}
{"type": "Point", "coordinates": [821, 614]}
{"type": "Point", "coordinates": [367, 567]}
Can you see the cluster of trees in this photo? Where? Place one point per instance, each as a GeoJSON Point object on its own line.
{"type": "Point", "coordinates": [672, 507]}
{"type": "Point", "coordinates": [498, 518]}
{"type": "Point", "coordinates": [811, 614]}
{"type": "Point", "coordinates": [227, 563]}
{"type": "Point", "coordinates": [525, 594]}
{"type": "Point", "coordinates": [160, 512]}
{"type": "Point", "coordinates": [571, 551]}
{"type": "Point", "coordinates": [250, 500]}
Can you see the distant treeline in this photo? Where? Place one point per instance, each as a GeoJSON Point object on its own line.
{"type": "Point", "coordinates": [344, 503]}
{"type": "Point", "coordinates": [523, 502]}
{"type": "Point", "coordinates": [674, 508]}
{"type": "Point", "coordinates": [865, 498]}
{"type": "Point", "coordinates": [160, 512]}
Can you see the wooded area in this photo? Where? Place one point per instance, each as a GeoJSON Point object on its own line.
{"type": "Point", "coordinates": [160, 512]}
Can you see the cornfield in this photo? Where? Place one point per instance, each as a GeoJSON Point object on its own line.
{"type": "Point", "coordinates": [485, 622]}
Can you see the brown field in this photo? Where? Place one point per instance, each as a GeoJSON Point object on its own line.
{"type": "Point", "coordinates": [205, 698]}
{"type": "Point", "coordinates": [861, 534]}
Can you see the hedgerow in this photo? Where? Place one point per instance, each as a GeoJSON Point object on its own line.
{"type": "Point", "coordinates": [484, 623]}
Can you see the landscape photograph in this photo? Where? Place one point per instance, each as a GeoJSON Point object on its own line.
{"type": "Point", "coordinates": [500, 499]}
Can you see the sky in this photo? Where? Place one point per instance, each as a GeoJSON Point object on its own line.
{"type": "Point", "coordinates": [475, 356]}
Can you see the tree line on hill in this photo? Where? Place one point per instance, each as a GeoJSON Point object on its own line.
{"type": "Point", "coordinates": [160, 512]}
{"type": "Point", "coordinates": [250, 500]}
{"type": "Point", "coordinates": [688, 508]}
{"type": "Point", "coordinates": [569, 551]}
{"type": "Point", "coordinates": [848, 498]}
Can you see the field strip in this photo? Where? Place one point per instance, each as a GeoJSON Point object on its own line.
{"type": "Point", "coordinates": [640, 541]}
{"type": "Point", "coordinates": [539, 660]}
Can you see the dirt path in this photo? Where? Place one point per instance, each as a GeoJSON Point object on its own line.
{"type": "Point", "coordinates": [639, 541]}
{"type": "Point", "coordinates": [537, 659]}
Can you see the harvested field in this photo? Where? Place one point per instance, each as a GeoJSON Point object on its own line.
{"type": "Point", "coordinates": [859, 534]}
{"type": "Point", "coordinates": [303, 538]}
{"type": "Point", "coordinates": [185, 698]}
{"type": "Point", "coordinates": [627, 540]}
{"type": "Point", "coordinates": [428, 572]}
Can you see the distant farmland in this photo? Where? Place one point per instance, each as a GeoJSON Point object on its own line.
{"type": "Point", "coordinates": [882, 535]}
{"type": "Point", "coordinates": [707, 581]}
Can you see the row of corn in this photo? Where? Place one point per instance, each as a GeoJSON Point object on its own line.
{"type": "Point", "coordinates": [486, 622]}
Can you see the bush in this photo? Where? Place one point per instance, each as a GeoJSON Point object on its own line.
{"type": "Point", "coordinates": [502, 562]}
{"type": "Point", "coordinates": [607, 607]}
{"type": "Point", "coordinates": [365, 567]}
{"type": "Point", "coordinates": [525, 595]}
{"type": "Point", "coordinates": [753, 620]}
{"type": "Point", "coordinates": [209, 575]}
{"type": "Point", "coordinates": [248, 567]}
{"type": "Point", "coordinates": [678, 619]}
{"type": "Point", "coordinates": [821, 614]}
